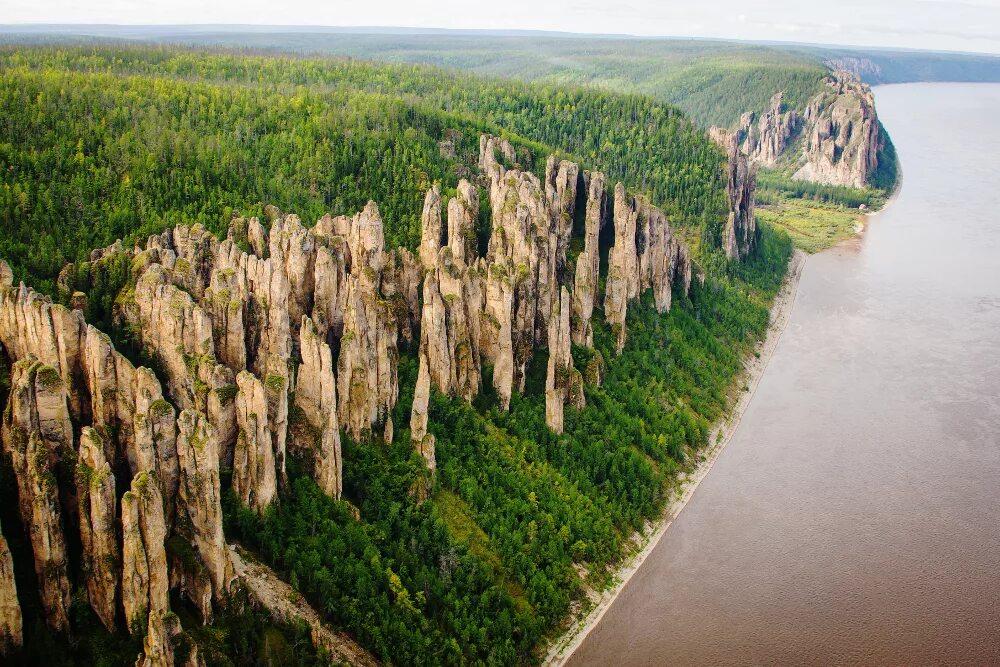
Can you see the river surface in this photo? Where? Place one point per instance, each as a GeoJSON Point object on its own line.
{"type": "Point", "coordinates": [854, 518]}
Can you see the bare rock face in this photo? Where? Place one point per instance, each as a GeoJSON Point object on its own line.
{"type": "Point", "coordinates": [589, 261]}
{"type": "Point", "coordinates": [195, 248]}
{"type": "Point", "coordinates": [740, 232]}
{"type": "Point", "coordinates": [316, 399]}
{"type": "Point", "coordinates": [95, 486]}
{"type": "Point", "coordinates": [144, 559]}
{"type": "Point", "coordinates": [367, 381]}
{"type": "Point", "coordinates": [255, 480]}
{"type": "Point", "coordinates": [498, 328]}
{"type": "Point", "coordinates": [199, 498]}
{"type": "Point", "coordinates": [488, 148]}
{"type": "Point", "coordinates": [423, 441]}
{"type": "Point", "coordinates": [36, 434]}
{"type": "Point", "coordinates": [520, 240]}
{"type": "Point", "coordinates": [331, 287]}
{"type": "Point", "coordinates": [11, 623]}
{"type": "Point", "coordinates": [154, 447]}
{"type": "Point", "coordinates": [463, 212]}
{"type": "Point", "coordinates": [158, 646]}
{"type": "Point", "coordinates": [842, 134]}
{"type": "Point", "coordinates": [562, 380]}
{"type": "Point", "coordinates": [762, 139]}
{"type": "Point", "coordinates": [6, 275]}
{"type": "Point", "coordinates": [176, 330]}
{"type": "Point", "coordinates": [622, 283]}
{"type": "Point", "coordinates": [561, 179]}
{"type": "Point", "coordinates": [293, 248]}
{"type": "Point", "coordinates": [430, 228]}
{"type": "Point", "coordinates": [263, 288]}
{"type": "Point", "coordinates": [224, 304]}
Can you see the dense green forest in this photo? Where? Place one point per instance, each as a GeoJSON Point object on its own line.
{"type": "Point", "coordinates": [98, 143]}
{"type": "Point", "coordinates": [105, 143]}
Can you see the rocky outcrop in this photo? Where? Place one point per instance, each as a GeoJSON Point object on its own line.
{"type": "Point", "coordinates": [842, 134]}
{"type": "Point", "coordinates": [622, 282]}
{"type": "Point", "coordinates": [762, 138]}
{"type": "Point", "coordinates": [95, 489]}
{"type": "Point", "coordinates": [199, 502]}
{"type": "Point", "coordinates": [838, 131]}
{"type": "Point", "coordinates": [430, 228]}
{"type": "Point", "coordinates": [739, 235]}
{"type": "Point", "coordinates": [36, 434]}
{"type": "Point", "coordinates": [588, 262]}
{"type": "Point", "coordinates": [11, 622]}
{"type": "Point", "coordinates": [463, 214]}
{"type": "Point", "coordinates": [561, 177]}
{"type": "Point", "coordinates": [489, 146]}
{"type": "Point", "coordinates": [563, 383]}
{"type": "Point", "coordinates": [318, 438]}
{"type": "Point", "coordinates": [144, 578]}
{"type": "Point", "coordinates": [255, 480]}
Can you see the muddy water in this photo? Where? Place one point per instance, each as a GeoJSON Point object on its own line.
{"type": "Point", "coordinates": [855, 516]}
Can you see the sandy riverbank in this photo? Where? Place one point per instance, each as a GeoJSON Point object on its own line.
{"type": "Point", "coordinates": [561, 650]}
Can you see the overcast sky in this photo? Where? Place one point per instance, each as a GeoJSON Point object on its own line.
{"type": "Point", "coordinates": [961, 25]}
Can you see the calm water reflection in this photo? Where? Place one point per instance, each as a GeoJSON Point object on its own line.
{"type": "Point", "coordinates": [855, 516]}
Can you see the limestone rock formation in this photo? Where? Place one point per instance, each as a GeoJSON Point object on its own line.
{"type": "Point", "coordinates": [622, 282]}
{"type": "Point", "coordinates": [95, 486]}
{"type": "Point", "coordinates": [561, 178]}
{"type": "Point", "coordinates": [199, 498]}
{"type": "Point", "coordinates": [842, 134]}
{"type": "Point", "coordinates": [488, 148]}
{"type": "Point", "coordinates": [739, 235]}
{"type": "Point", "coordinates": [316, 399]}
{"type": "Point", "coordinates": [588, 262]}
{"type": "Point", "coordinates": [255, 480]}
{"type": "Point", "coordinates": [430, 227]}
{"type": "Point", "coordinates": [144, 560]}
{"type": "Point", "coordinates": [423, 441]}
{"type": "Point", "coordinates": [563, 383]}
{"type": "Point", "coordinates": [463, 212]}
{"type": "Point", "coordinates": [11, 622]}
{"type": "Point", "coordinates": [762, 139]}
{"type": "Point", "coordinates": [36, 434]}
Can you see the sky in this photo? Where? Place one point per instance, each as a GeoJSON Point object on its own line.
{"type": "Point", "coordinates": [956, 25]}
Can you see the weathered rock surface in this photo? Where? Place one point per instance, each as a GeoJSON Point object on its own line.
{"type": "Point", "coordinates": [842, 134]}
{"type": "Point", "coordinates": [739, 235]}
{"type": "Point", "coordinates": [463, 213]}
{"type": "Point", "coordinates": [95, 487]}
{"type": "Point", "coordinates": [589, 261]}
{"type": "Point", "coordinates": [622, 282]}
{"type": "Point", "coordinates": [255, 480]}
{"type": "Point", "coordinates": [199, 499]}
{"type": "Point", "coordinates": [11, 622]}
{"type": "Point", "coordinates": [563, 383]}
{"type": "Point", "coordinates": [430, 228]}
{"type": "Point", "coordinates": [36, 434]}
{"type": "Point", "coordinates": [316, 399]}
{"type": "Point", "coordinates": [145, 579]}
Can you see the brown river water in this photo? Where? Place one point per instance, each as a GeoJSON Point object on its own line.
{"type": "Point", "coordinates": [854, 518]}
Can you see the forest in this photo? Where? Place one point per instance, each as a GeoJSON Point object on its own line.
{"type": "Point", "coordinates": [99, 143]}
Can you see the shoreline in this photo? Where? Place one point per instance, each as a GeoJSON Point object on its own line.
{"type": "Point", "coordinates": [561, 650]}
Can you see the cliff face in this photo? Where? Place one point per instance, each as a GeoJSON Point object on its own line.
{"type": "Point", "coordinates": [740, 231]}
{"type": "Point", "coordinates": [842, 135]}
{"type": "Point", "coordinates": [271, 341]}
{"type": "Point", "coordinates": [527, 293]}
{"type": "Point", "coordinates": [838, 131]}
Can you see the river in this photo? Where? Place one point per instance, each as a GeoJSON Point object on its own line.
{"type": "Point", "coordinates": [854, 518]}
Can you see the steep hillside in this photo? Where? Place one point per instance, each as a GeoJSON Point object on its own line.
{"type": "Point", "coordinates": [438, 404]}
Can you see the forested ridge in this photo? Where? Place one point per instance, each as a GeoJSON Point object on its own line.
{"type": "Point", "coordinates": [104, 143]}
{"type": "Point", "coordinates": [99, 143]}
